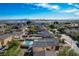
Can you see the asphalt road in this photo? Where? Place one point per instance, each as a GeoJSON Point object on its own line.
{"type": "Point", "coordinates": [71, 42]}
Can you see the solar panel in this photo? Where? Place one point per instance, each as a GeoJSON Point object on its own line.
{"type": "Point", "coordinates": [45, 43]}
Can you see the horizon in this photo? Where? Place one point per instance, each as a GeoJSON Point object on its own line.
{"type": "Point", "coordinates": [39, 20]}
{"type": "Point", "coordinates": [57, 11]}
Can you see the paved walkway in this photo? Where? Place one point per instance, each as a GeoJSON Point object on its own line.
{"type": "Point", "coordinates": [50, 53]}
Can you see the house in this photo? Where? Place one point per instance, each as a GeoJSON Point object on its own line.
{"type": "Point", "coordinates": [17, 35]}
{"type": "Point", "coordinates": [5, 38]}
{"type": "Point", "coordinates": [41, 33]}
{"type": "Point", "coordinates": [71, 32]}
{"type": "Point", "coordinates": [45, 47]}
{"type": "Point", "coordinates": [42, 47]}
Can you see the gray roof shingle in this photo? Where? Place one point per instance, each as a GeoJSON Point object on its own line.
{"type": "Point", "coordinates": [4, 36]}
{"type": "Point", "coordinates": [46, 42]}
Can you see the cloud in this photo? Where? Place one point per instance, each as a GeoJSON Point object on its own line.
{"type": "Point", "coordinates": [76, 13]}
{"type": "Point", "coordinates": [70, 3]}
{"type": "Point", "coordinates": [50, 7]}
{"type": "Point", "coordinates": [69, 11]}
{"type": "Point", "coordinates": [75, 5]}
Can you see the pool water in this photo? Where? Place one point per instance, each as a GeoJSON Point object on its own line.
{"type": "Point", "coordinates": [28, 43]}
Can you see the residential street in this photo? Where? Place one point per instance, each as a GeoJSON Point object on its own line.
{"type": "Point", "coordinates": [71, 42]}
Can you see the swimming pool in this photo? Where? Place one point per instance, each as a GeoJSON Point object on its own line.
{"type": "Point", "coordinates": [27, 43]}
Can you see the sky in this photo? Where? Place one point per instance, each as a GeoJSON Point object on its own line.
{"type": "Point", "coordinates": [39, 11]}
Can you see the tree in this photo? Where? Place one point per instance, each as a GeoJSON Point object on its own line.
{"type": "Point", "coordinates": [61, 29]}
{"type": "Point", "coordinates": [29, 22]}
{"type": "Point", "coordinates": [33, 29]}
{"type": "Point", "coordinates": [72, 53]}
{"type": "Point", "coordinates": [13, 43]}
{"type": "Point", "coordinates": [77, 36]}
{"type": "Point", "coordinates": [67, 52]}
{"type": "Point", "coordinates": [13, 49]}
{"type": "Point", "coordinates": [56, 22]}
{"type": "Point", "coordinates": [51, 26]}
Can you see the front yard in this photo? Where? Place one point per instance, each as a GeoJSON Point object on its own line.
{"type": "Point", "coordinates": [13, 49]}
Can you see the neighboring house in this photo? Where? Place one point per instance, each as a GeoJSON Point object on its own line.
{"type": "Point", "coordinates": [41, 33]}
{"type": "Point", "coordinates": [25, 29]}
{"type": "Point", "coordinates": [71, 32]}
{"type": "Point", "coordinates": [72, 25]}
{"type": "Point", "coordinates": [43, 47]}
{"type": "Point", "coordinates": [5, 38]}
{"type": "Point", "coordinates": [18, 35]}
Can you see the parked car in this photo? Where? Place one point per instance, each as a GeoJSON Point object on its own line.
{"type": "Point", "coordinates": [77, 44]}
{"type": "Point", "coordinates": [1, 47]}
